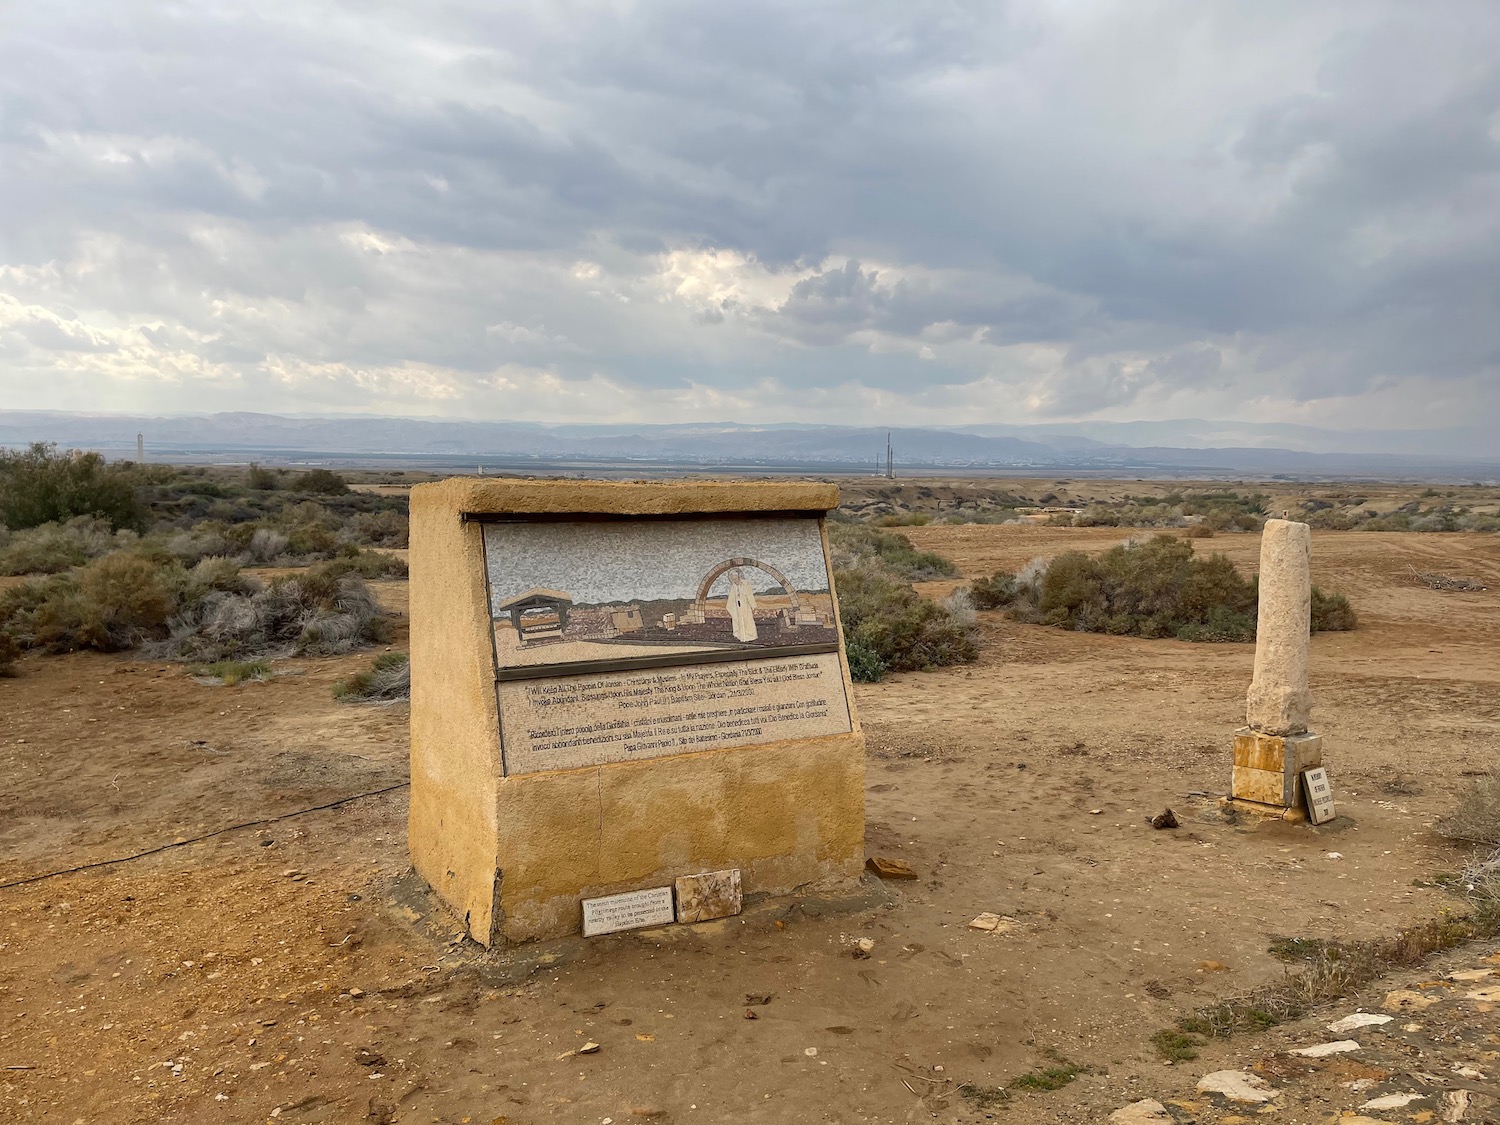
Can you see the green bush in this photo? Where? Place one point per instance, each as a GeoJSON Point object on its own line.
{"type": "Point", "coordinates": [42, 485]}
{"type": "Point", "coordinates": [1208, 511]}
{"type": "Point", "coordinates": [1331, 613]}
{"type": "Point", "coordinates": [994, 592]}
{"type": "Point", "coordinates": [262, 480]}
{"type": "Point", "coordinates": [1158, 588]}
{"type": "Point", "coordinates": [884, 616]}
{"type": "Point", "coordinates": [865, 665]}
{"type": "Point", "coordinates": [321, 481]}
{"type": "Point", "coordinates": [9, 651]}
{"type": "Point", "coordinates": [854, 543]}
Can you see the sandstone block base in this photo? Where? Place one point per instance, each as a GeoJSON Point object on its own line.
{"type": "Point", "coordinates": [1293, 815]}
{"type": "Point", "coordinates": [1268, 767]}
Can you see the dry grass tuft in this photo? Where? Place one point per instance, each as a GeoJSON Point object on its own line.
{"type": "Point", "coordinates": [1336, 970]}
{"type": "Point", "coordinates": [387, 681]}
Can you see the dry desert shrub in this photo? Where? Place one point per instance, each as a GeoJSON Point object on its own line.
{"type": "Point", "coordinates": [325, 611]}
{"type": "Point", "coordinates": [854, 543]}
{"type": "Point", "coordinates": [388, 680]}
{"type": "Point", "coordinates": [207, 613]}
{"type": "Point", "coordinates": [1475, 818]}
{"type": "Point", "coordinates": [1145, 588]}
{"type": "Point", "coordinates": [888, 626]}
{"type": "Point", "coordinates": [51, 548]}
{"type": "Point", "coordinates": [232, 673]}
{"type": "Point", "coordinates": [113, 603]}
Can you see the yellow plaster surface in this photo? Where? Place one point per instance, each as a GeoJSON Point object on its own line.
{"type": "Point", "coordinates": [516, 856]}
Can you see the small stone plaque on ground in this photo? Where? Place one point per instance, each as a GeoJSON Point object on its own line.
{"type": "Point", "coordinates": [1319, 795]}
{"type": "Point", "coordinates": [714, 894]}
{"type": "Point", "coordinates": [633, 910]}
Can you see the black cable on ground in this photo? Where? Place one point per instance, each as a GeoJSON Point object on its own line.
{"type": "Point", "coordinates": [200, 839]}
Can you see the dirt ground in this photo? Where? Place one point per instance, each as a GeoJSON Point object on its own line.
{"type": "Point", "coordinates": [293, 971]}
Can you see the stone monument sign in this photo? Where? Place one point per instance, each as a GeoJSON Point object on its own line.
{"type": "Point", "coordinates": [614, 685]}
{"type": "Point", "coordinates": [1274, 747]}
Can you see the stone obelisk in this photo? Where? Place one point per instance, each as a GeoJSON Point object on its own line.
{"type": "Point", "coordinates": [1275, 746]}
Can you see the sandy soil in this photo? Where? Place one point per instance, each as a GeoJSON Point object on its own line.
{"type": "Point", "coordinates": [292, 971]}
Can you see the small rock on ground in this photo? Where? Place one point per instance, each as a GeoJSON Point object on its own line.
{"type": "Point", "coordinates": [1321, 1049]}
{"type": "Point", "coordinates": [1237, 1086]}
{"type": "Point", "coordinates": [1357, 1020]}
{"type": "Point", "coordinates": [1144, 1112]}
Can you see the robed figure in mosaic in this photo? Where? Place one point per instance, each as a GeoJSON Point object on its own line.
{"type": "Point", "coordinates": [742, 606]}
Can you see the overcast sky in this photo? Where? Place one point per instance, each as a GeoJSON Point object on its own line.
{"type": "Point", "coordinates": [866, 212]}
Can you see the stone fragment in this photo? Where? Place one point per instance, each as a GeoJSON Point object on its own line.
{"type": "Point", "coordinates": [1279, 702]}
{"type": "Point", "coordinates": [994, 923]}
{"type": "Point", "coordinates": [1405, 1000]}
{"type": "Point", "coordinates": [1144, 1112]}
{"type": "Point", "coordinates": [1472, 974]}
{"type": "Point", "coordinates": [1455, 1105]}
{"type": "Point", "coordinates": [1468, 1072]}
{"type": "Point", "coordinates": [890, 868]}
{"type": "Point", "coordinates": [1358, 1019]}
{"type": "Point", "coordinates": [1491, 993]}
{"type": "Point", "coordinates": [1164, 819]}
{"type": "Point", "coordinates": [866, 945]}
{"type": "Point", "coordinates": [1392, 1101]}
{"type": "Point", "coordinates": [1323, 1049]}
{"type": "Point", "coordinates": [1237, 1086]}
{"type": "Point", "coordinates": [712, 894]}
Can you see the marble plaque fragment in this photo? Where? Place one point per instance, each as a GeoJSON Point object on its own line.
{"type": "Point", "coordinates": [632, 910]}
{"type": "Point", "coordinates": [713, 894]}
{"type": "Point", "coordinates": [1319, 795]}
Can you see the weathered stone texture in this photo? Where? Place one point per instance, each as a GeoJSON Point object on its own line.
{"type": "Point", "coordinates": [1279, 702]}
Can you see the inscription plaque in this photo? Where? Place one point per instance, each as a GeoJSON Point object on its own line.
{"type": "Point", "coordinates": [632, 910]}
{"type": "Point", "coordinates": [1319, 795]}
{"type": "Point", "coordinates": [636, 640]}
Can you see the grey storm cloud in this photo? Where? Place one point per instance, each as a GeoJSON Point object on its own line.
{"type": "Point", "coordinates": [763, 210]}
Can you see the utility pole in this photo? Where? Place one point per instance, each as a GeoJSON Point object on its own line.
{"type": "Point", "coordinates": [890, 458]}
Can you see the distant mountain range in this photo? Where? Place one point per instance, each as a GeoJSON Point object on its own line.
{"type": "Point", "coordinates": [1176, 447]}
